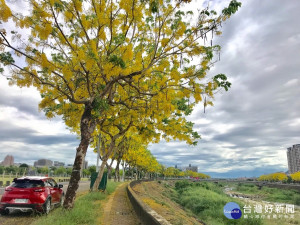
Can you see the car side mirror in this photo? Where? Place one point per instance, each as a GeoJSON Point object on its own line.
{"type": "Point", "coordinates": [60, 186]}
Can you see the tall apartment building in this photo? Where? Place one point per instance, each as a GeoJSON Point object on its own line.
{"type": "Point", "coordinates": [58, 164]}
{"type": "Point", "coordinates": [8, 161]}
{"type": "Point", "coordinates": [43, 162]}
{"type": "Point", "coordinates": [192, 168]}
{"type": "Point", "coordinates": [293, 157]}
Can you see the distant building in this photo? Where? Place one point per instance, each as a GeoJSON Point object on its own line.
{"type": "Point", "coordinates": [293, 157]}
{"type": "Point", "coordinates": [43, 162]}
{"type": "Point", "coordinates": [85, 165]}
{"type": "Point", "coordinates": [31, 171]}
{"type": "Point", "coordinates": [8, 161]}
{"type": "Point", "coordinates": [192, 168]}
{"type": "Point", "coordinates": [58, 164]}
{"type": "Point", "coordinates": [179, 168]}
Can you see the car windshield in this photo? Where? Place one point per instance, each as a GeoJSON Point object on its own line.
{"type": "Point", "coordinates": [26, 183]}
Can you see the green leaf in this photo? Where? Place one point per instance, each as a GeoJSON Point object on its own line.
{"type": "Point", "coordinates": [100, 104]}
{"type": "Point", "coordinates": [166, 120]}
{"type": "Point", "coordinates": [117, 61]}
{"type": "Point", "coordinates": [149, 19]}
{"type": "Point", "coordinates": [232, 8]}
{"type": "Point", "coordinates": [195, 135]}
{"type": "Point", "coordinates": [221, 81]}
{"type": "Point", "coordinates": [78, 81]}
{"type": "Point", "coordinates": [119, 39]}
{"type": "Point", "coordinates": [6, 58]}
{"type": "Point", "coordinates": [154, 6]}
{"type": "Point", "coordinates": [182, 105]}
{"type": "Point", "coordinates": [179, 14]}
{"type": "Point", "coordinates": [58, 6]}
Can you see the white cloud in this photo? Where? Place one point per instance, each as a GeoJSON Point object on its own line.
{"type": "Point", "coordinates": [270, 68]}
{"type": "Point", "coordinates": [294, 39]}
{"type": "Point", "coordinates": [292, 83]}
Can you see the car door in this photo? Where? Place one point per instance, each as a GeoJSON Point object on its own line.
{"type": "Point", "coordinates": [55, 191]}
{"type": "Point", "coordinates": [50, 186]}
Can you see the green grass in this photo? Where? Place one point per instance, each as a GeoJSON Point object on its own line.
{"type": "Point", "coordinates": [207, 201]}
{"type": "Point", "coordinates": [269, 194]}
{"type": "Point", "coordinates": [86, 210]}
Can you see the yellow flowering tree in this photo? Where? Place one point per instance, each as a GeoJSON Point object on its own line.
{"type": "Point", "coordinates": [203, 176]}
{"type": "Point", "coordinates": [296, 176]}
{"type": "Point", "coordinates": [196, 174]}
{"type": "Point", "coordinates": [85, 56]}
{"type": "Point", "coordinates": [273, 177]}
{"type": "Point", "coordinates": [140, 158]}
{"type": "Point", "coordinates": [171, 172]}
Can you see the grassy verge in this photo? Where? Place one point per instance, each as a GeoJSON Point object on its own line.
{"type": "Point", "coordinates": [207, 201]}
{"type": "Point", "coordinates": [86, 210]}
{"type": "Point", "coordinates": [269, 194]}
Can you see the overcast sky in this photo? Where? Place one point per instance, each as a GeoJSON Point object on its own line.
{"type": "Point", "coordinates": [246, 133]}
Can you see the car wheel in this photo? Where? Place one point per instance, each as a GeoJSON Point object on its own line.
{"type": "Point", "coordinates": [4, 212]}
{"type": "Point", "coordinates": [47, 206]}
{"type": "Point", "coordinates": [62, 199]}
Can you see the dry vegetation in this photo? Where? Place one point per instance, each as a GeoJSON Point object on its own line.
{"type": "Point", "coordinates": [154, 194]}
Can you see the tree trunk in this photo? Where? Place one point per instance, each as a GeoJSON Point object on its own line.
{"type": "Point", "coordinates": [100, 175]}
{"type": "Point", "coordinates": [115, 176]}
{"type": "Point", "coordinates": [131, 169]}
{"type": "Point", "coordinates": [119, 175]}
{"type": "Point", "coordinates": [117, 171]}
{"type": "Point", "coordinates": [123, 175]}
{"type": "Point", "coordinates": [136, 173]}
{"type": "Point", "coordinates": [109, 167]}
{"type": "Point", "coordinates": [104, 161]}
{"type": "Point", "coordinates": [87, 126]}
{"type": "Point", "coordinates": [108, 171]}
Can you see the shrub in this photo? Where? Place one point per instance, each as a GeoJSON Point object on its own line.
{"type": "Point", "coordinates": [181, 184]}
{"type": "Point", "coordinates": [207, 201]}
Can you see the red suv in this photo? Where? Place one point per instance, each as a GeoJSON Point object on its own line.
{"type": "Point", "coordinates": [31, 194]}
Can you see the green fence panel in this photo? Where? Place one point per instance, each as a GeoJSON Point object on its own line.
{"type": "Point", "coordinates": [102, 185]}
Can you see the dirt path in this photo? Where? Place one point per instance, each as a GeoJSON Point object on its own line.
{"type": "Point", "coordinates": [118, 209]}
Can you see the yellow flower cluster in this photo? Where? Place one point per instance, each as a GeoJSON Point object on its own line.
{"type": "Point", "coordinates": [5, 12]}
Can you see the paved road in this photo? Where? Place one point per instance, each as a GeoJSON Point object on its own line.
{"type": "Point", "coordinates": [21, 218]}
